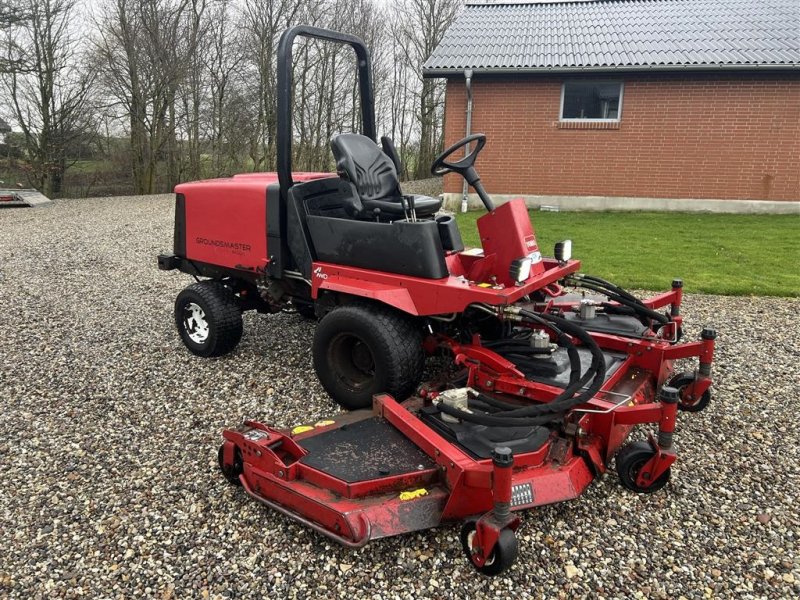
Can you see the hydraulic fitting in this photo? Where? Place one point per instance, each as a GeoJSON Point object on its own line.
{"type": "Point", "coordinates": [539, 340]}
{"type": "Point", "coordinates": [458, 399]}
{"type": "Point", "coordinates": [588, 309]}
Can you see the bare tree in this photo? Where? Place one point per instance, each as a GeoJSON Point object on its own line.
{"type": "Point", "coordinates": [12, 14]}
{"type": "Point", "coordinates": [420, 27]}
{"type": "Point", "coordinates": [49, 97]}
{"type": "Point", "coordinates": [193, 82]}
{"type": "Point", "coordinates": [263, 23]}
{"type": "Point", "coordinates": [143, 46]}
{"type": "Point", "coordinates": [221, 61]}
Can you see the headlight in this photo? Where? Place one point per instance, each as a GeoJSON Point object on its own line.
{"type": "Point", "coordinates": [521, 269]}
{"type": "Point", "coordinates": [563, 251]}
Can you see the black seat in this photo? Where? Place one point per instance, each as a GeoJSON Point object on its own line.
{"type": "Point", "coordinates": [361, 161]}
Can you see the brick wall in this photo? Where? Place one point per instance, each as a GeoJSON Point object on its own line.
{"type": "Point", "coordinates": [718, 136]}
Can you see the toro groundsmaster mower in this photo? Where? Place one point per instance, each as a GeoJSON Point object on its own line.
{"type": "Point", "coordinates": [535, 374]}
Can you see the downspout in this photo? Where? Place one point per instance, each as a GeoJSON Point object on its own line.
{"type": "Point", "coordinates": [468, 84]}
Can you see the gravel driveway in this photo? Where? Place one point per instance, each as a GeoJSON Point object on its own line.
{"type": "Point", "coordinates": [109, 432]}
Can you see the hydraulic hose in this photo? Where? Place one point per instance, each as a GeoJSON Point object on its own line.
{"type": "Point", "coordinates": [635, 305]}
{"type": "Point", "coordinates": [542, 413]}
{"type": "Point", "coordinates": [519, 351]}
{"type": "Point", "coordinates": [611, 287]}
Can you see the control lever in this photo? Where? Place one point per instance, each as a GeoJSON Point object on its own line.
{"type": "Point", "coordinates": [404, 204]}
{"type": "Point", "coordinates": [411, 203]}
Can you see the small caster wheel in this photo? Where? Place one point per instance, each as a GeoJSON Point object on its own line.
{"type": "Point", "coordinates": [231, 472]}
{"type": "Point", "coordinates": [630, 460]}
{"type": "Point", "coordinates": [689, 404]}
{"type": "Point", "coordinates": [502, 555]}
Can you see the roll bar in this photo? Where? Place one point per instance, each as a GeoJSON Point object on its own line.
{"type": "Point", "coordinates": [284, 93]}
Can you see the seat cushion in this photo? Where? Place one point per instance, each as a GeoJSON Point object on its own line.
{"type": "Point", "coordinates": [424, 206]}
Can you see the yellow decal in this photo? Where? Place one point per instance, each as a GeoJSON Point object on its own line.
{"type": "Point", "coordinates": [412, 494]}
{"type": "Point", "coordinates": [485, 285]}
{"type": "Point", "coordinates": [323, 423]}
{"type": "Point", "coordinates": [301, 429]}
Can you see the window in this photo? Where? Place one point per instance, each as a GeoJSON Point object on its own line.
{"type": "Point", "coordinates": [591, 101]}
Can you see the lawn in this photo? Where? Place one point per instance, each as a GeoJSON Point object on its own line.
{"type": "Point", "coordinates": [714, 254]}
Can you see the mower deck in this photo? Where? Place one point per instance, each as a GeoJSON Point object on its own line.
{"type": "Point", "coordinates": [387, 474]}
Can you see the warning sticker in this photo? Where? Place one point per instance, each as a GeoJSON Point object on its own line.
{"type": "Point", "coordinates": [413, 494]}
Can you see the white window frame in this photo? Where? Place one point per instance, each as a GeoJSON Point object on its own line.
{"type": "Point", "coordinates": [592, 81]}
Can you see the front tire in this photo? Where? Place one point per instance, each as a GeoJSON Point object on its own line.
{"type": "Point", "coordinates": [361, 350]}
{"type": "Point", "coordinates": [208, 318]}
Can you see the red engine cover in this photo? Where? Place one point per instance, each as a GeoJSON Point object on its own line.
{"type": "Point", "coordinates": [226, 219]}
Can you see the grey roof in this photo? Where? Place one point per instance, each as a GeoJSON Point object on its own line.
{"type": "Point", "coordinates": [607, 35]}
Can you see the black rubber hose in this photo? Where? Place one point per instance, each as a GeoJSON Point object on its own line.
{"type": "Point", "coordinates": [613, 287]}
{"type": "Point", "coordinates": [563, 340]}
{"type": "Point", "coordinates": [543, 413]}
{"type": "Point", "coordinates": [636, 306]}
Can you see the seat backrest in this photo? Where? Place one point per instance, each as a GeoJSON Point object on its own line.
{"type": "Point", "coordinates": [362, 162]}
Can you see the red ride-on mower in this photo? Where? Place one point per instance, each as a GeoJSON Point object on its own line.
{"type": "Point", "coordinates": [537, 373]}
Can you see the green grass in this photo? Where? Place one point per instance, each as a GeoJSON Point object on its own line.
{"type": "Point", "coordinates": [715, 254]}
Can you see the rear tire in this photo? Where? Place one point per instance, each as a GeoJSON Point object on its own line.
{"type": "Point", "coordinates": [361, 350]}
{"type": "Point", "coordinates": [208, 318]}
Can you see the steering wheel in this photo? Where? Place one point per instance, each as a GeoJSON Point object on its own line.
{"type": "Point", "coordinates": [465, 167]}
{"type": "Point", "coordinates": [441, 167]}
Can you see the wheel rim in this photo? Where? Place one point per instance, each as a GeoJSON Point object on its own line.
{"type": "Point", "coordinates": [634, 468]}
{"type": "Point", "coordinates": [470, 539]}
{"type": "Point", "coordinates": [352, 361]}
{"type": "Point", "coordinates": [195, 323]}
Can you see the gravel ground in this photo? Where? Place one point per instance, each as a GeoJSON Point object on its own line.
{"type": "Point", "coordinates": [109, 432]}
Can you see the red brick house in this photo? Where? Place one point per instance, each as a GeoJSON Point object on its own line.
{"type": "Point", "coordinates": [628, 103]}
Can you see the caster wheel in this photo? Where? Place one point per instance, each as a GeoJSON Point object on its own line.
{"type": "Point", "coordinates": [231, 472]}
{"type": "Point", "coordinates": [630, 460]}
{"type": "Point", "coordinates": [681, 382]}
{"type": "Point", "coordinates": [502, 556]}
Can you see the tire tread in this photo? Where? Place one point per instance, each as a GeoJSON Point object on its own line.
{"type": "Point", "coordinates": [227, 314]}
